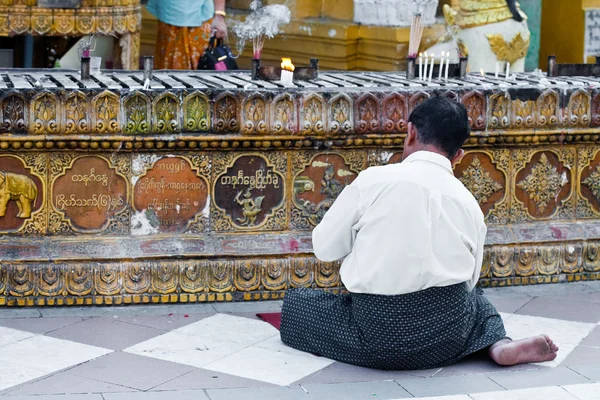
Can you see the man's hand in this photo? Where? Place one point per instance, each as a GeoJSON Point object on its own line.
{"type": "Point", "coordinates": [219, 27]}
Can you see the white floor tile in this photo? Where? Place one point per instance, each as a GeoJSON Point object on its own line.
{"type": "Point", "coordinates": [589, 391]}
{"type": "Point", "coordinates": [49, 354]}
{"type": "Point", "coordinates": [228, 328]}
{"type": "Point", "coordinates": [269, 366]}
{"type": "Point", "coordinates": [543, 393]}
{"type": "Point", "coordinates": [14, 374]}
{"type": "Point", "coordinates": [9, 335]}
{"type": "Point", "coordinates": [458, 397]}
{"type": "Point", "coordinates": [566, 334]}
{"type": "Point", "coordinates": [275, 344]}
{"type": "Point", "coordinates": [185, 349]}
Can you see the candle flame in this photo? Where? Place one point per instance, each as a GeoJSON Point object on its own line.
{"type": "Point", "coordinates": [432, 55]}
{"type": "Point", "coordinates": [482, 73]}
{"type": "Point", "coordinates": [426, 54]}
{"type": "Point", "coordinates": [286, 64]}
{"type": "Point", "coordinates": [420, 54]}
{"type": "Point", "coordinates": [443, 53]}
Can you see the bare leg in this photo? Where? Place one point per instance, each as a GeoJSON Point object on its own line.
{"type": "Point", "coordinates": [530, 350]}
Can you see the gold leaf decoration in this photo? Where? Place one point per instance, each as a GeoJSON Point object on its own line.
{"type": "Point", "coordinates": [511, 52]}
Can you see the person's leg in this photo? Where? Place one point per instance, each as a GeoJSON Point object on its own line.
{"type": "Point", "coordinates": [530, 350]}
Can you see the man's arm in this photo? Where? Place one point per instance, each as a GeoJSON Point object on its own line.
{"type": "Point", "coordinates": [478, 257]}
{"type": "Point", "coordinates": [333, 238]}
{"type": "Point", "coordinates": [218, 23]}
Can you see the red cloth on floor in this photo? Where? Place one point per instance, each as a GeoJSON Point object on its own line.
{"type": "Point", "coordinates": [271, 318]}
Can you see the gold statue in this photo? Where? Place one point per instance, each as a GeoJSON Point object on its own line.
{"type": "Point", "coordinates": [250, 207]}
{"type": "Point", "coordinates": [18, 188]}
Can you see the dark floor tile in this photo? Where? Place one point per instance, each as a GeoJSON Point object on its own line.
{"type": "Point", "coordinates": [65, 383]}
{"type": "Point", "coordinates": [205, 379]}
{"type": "Point", "coordinates": [509, 304]}
{"type": "Point", "coordinates": [450, 385]}
{"type": "Point", "coordinates": [550, 307]}
{"type": "Point", "coordinates": [588, 298]}
{"type": "Point", "coordinates": [593, 339]}
{"type": "Point", "coordinates": [269, 393]}
{"type": "Point", "coordinates": [582, 355]}
{"type": "Point", "coordinates": [19, 313]}
{"type": "Point", "coordinates": [106, 333]}
{"type": "Point", "coordinates": [557, 289]}
{"type": "Point", "coordinates": [480, 364]}
{"type": "Point", "coordinates": [380, 390]}
{"type": "Point", "coordinates": [39, 325]}
{"type": "Point", "coordinates": [133, 371]}
{"type": "Point", "coordinates": [164, 322]}
{"type": "Point", "coordinates": [249, 307]}
{"type": "Point", "coordinates": [340, 372]}
{"type": "Point", "coordinates": [592, 372]}
{"type": "Point", "coordinates": [171, 395]}
{"type": "Point", "coordinates": [58, 397]}
{"type": "Point", "coordinates": [537, 378]}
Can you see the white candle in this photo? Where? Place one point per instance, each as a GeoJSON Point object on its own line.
{"type": "Point", "coordinates": [447, 64]}
{"type": "Point", "coordinates": [441, 65]}
{"type": "Point", "coordinates": [420, 66]}
{"type": "Point", "coordinates": [497, 69]}
{"type": "Point", "coordinates": [426, 63]}
{"type": "Point", "coordinates": [287, 77]}
{"type": "Point", "coordinates": [431, 67]}
{"type": "Point", "coordinates": [507, 70]}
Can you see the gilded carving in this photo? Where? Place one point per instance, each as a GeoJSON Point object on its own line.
{"type": "Point", "coordinates": [589, 182]}
{"type": "Point", "coordinates": [596, 110]}
{"type": "Point", "coordinates": [137, 114]}
{"type": "Point", "coordinates": [80, 280]}
{"type": "Point", "coordinates": [327, 274]}
{"type": "Point", "coordinates": [3, 278]}
{"type": "Point", "coordinates": [571, 260]}
{"type": "Point", "coordinates": [479, 182]}
{"type": "Point", "coordinates": [196, 113]}
{"type": "Point", "coordinates": [105, 117]}
{"type": "Point", "coordinates": [275, 274]}
{"type": "Point", "coordinates": [226, 114]}
{"type": "Point", "coordinates": [503, 262]}
{"type": "Point", "coordinates": [192, 276]}
{"type": "Point", "coordinates": [593, 182]}
{"type": "Point", "coordinates": [166, 113]}
{"type": "Point", "coordinates": [44, 114]}
{"type": "Point", "coordinates": [548, 260]}
{"type": "Point", "coordinates": [544, 183]}
{"type": "Point", "coordinates": [137, 278]}
{"type": "Point", "coordinates": [220, 276]}
{"type": "Point", "coordinates": [284, 116]}
{"type": "Point", "coordinates": [578, 110]}
{"type": "Point", "coordinates": [302, 272]}
{"type": "Point", "coordinates": [499, 111]}
{"type": "Point", "coordinates": [340, 114]}
{"type": "Point", "coordinates": [591, 257]}
{"type": "Point", "coordinates": [313, 115]}
{"type": "Point", "coordinates": [476, 109]}
{"type": "Point", "coordinates": [247, 275]}
{"type": "Point", "coordinates": [14, 114]}
{"type": "Point", "coordinates": [394, 118]}
{"type": "Point", "coordinates": [108, 279]}
{"type": "Point", "coordinates": [85, 21]}
{"type": "Point", "coordinates": [508, 51]}
{"type": "Point", "coordinates": [525, 262]}
{"type": "Point", "coordinates": [416, 98]}
{"type": "Point", "coordinates": [367, 114]}
{"type": "Point", "coordinates": [523, 113]}
{"type": "Point", "coordinates": [21, 280]}
{"type": "Point", "coordinates": [256, 113]}
{"type": "Point", "coordinates": [64, 22]}
{"type": "Point", "coordinates": [50, 280]}
{"type": "Point", "coordinates": [547, 106]}
{"type": "Point", "coordinates": [41, 21]}
{"type": "Point", "coordinates": [76, 114]}
{"type": "Point", "coordinates": [164, 277]}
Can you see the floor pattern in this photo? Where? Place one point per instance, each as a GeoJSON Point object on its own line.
{"type": "Point", "coordinates": [223, 351]}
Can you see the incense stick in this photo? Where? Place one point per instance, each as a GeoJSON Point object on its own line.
{"type": "Point", "coordinates": [416, 33]}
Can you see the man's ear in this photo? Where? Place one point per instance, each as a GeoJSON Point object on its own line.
{"type": "Point", "coordinates": [411, 137]}
{"type": "Point", "coordinates": [457, 157]}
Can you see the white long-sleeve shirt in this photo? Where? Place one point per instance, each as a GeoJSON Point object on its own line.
{"type": "Point", "coordinates": [404, 228]}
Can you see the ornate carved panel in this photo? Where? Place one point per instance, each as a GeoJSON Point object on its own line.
{"type": "Point", "coordinates": [196, 112]}
{"type": "Point", "coordinates": [249, 192]}
{"type": "Point", "coordinates": [76, 117]}
{"type": "Point", "coordinates": [503, 262]}
{"type": "Point", "coordinates": [596, 110]}
{"type": "Point", "coordinates": [275, 274]}
{"type": "Point", "coordinates": [220, 276]}
{"type": "Point", "coordinates": [108, 279]}
{"type": "Point", "coordinates": [485, 174]}
{"type": "Point", "coordinates": [367, 114]}
{"type": "Point", "coordinates": [525, 262]}
{"type": "Point", "coordinates": [543, 184]}
{"type": "Point", "coordinates": [302, 273]}
{"type": "Point", "coordinates": [591, 257]}
{"type": "Point", "coordinates": [80, 280]}
{"type": "Point", "coordinates": [255, 113]}
{"type": "Point", "coordinates": [588, 182]}
{"type": "Point", "coordinates": [23, 193]}
{"type": "Point", "coordinates": [14, 114]}
{"type": "Point", "coordinates": [226, 113]}
{"type": "Point", "coordinates": [313, 115]}
{"type": "Point", "coordinates": [416, 98]}
{"type": "Point", "coordinates": [106, 113]}
{"type": "Point", "coordinates": [137, 116]}
{"type": "Point", "coordinates": [318, 179]}
{"type": "Point", "coordinates": [284, 115]}
{"type": "Point", "coordinates": [394, 113]}
{"type": "Point", "coordinates": [50, 279]}
{"type": "Point", "coordinates": [384, 157]}
{"type": "Point", "coordinates": [45, 114]}
{"type": "Point", "coordinates": [547, 110]}
{"type": "Point", "coordinates": [570, 261]}
{"type": "Point", "coordinates": [89, 194]}
{"type": "Point", "coordinates": [165, 277]}
{"type": "Point", "coordinates": [170, 194]}
{"type": "Point", "coordinates": [193, 276]}
{"type": "Point", "coordinates": [578, 110]}
{"type": "Point", "coordinates": [548, 260]}
{"type": "Point", "coordinates": [166, 113]}
{"type": "Point", "coordinates": [499, 111]}
{"type": "Point", "coordinates": [523, 114]}
{"type": "Point", "coordinates": [21, 280]}
{"type": "Point", "coordinates": [327, 274]}
{"type": "Point", "coordinates": [341, 116]}
{"type": "Point", "coordinates": [476, 109]}
{"type": "Point", "coordinates": [137, 278]}
{"type": "Point", "coordinates": [247, 275]}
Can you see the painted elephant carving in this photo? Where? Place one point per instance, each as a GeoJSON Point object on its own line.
{"type": "Point", "coordinates": [18, 188]}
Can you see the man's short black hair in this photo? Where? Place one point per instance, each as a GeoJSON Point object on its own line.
{"type": "Point", "coordinates": [442, 123]}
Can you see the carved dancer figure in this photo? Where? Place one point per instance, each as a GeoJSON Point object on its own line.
{"type": "Point", "coordinates": [184, 28]}
{"type": "Point", "coordinates": [412, 239]}
{"type": "Point", "coordinates": [331, 187]}
{"type": "Point", "coordinates": [251, 207]}
{"type": "Point", "coordinates": [19, 188]}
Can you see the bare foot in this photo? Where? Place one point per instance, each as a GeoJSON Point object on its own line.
{"type": "Point", "coordinates": [531, 350]}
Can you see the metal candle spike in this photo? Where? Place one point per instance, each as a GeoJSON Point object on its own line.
{"type": "Point", "coordinates": [148, 67]}
{"type": "Point", "coordinates": [85, 68]}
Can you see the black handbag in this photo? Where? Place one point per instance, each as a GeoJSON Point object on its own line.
{"type": "Point", "coordinates": [217, 57]}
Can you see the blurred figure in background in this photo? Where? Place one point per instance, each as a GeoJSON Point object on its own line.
{"type": "Point", "coordinates": [184, 29]}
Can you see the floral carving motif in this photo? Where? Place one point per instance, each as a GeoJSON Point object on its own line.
{"type": "Point", "coordinates": [394, 114]}
{"type": "Point", "coordinates": [44, 115]}
{"type": "Point", "coordinates": [543, 184]}
{"type": "Point", "coordinates": [226, 114]}
{"type": "Point", "coordinates": [547, 107]}
{"type": "Point", "coordinates": [475, 104]}
{"type": "Point", "coordinates": [367, 115]}
{"type": "Point", "coordinates": [137, 109]}
{"type": "Point", "coordinates": [13, 112]}
{"type": "Point", "coordinates": [479, 181]}
{"type": "Point", "coordinates": [499, 111]}
{"type": "Point", "coordinates": [340, 119]}
{"type": "Point", "coordinates": [255, 116]}
{"type": "Point", "coordinates": [77, 119]}
{"type": "Point", "coordinates": [523, 113]}
{"type": "Point", "coordinates": [579, 109]}
{"type": "Point", "coordinates": [197, 113]}
{"type": "Point", "coordinates": [166, 114]}
{"type": "Point", "coordinates": [313, 121]}
{"type": "Point", "coordinates": [593, 182]}
{"type": "Point", "coordinates": [106, 109]}
{"type": "Point", "coordinates": [284, 115]}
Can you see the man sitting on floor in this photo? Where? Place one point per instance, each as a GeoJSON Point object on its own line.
{"type": "Point", "coordinates": [412, 236]}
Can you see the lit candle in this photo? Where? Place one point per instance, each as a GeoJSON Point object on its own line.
{"type": "Point", "coordinates": [441, 65]}
{"type": "Point", "coordinates": [482, 73]}
{"type": "Point", "coordinates": [447, 64]}
{"type": "Point", "coordinates": [287, 72]}
{"type": "Point", "coordinates": [426, 63]}
{"type": "Point", "coordinates": [497, 69]}
{"type": "Point", "coordinates": [431, 67]}
{"type": "Point", "coordinates": [507, 70]}
{"type": "Point", "coordinates": [420, 66]}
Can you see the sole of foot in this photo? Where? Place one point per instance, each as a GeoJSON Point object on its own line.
{"type": "Point", "coordinates": [531, 350]}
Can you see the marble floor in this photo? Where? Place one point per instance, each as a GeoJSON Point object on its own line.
{"type": "Point", "coordinates": [223, 351]}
